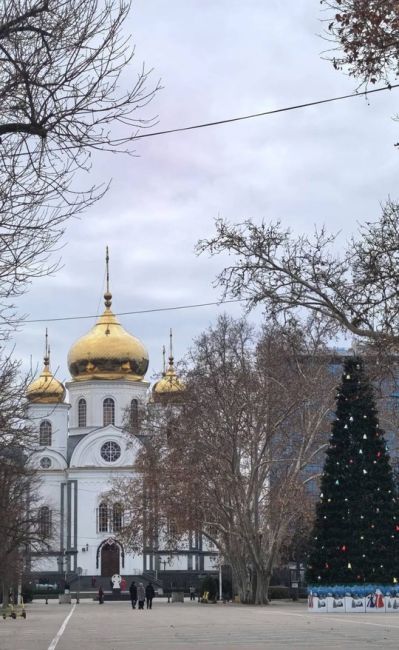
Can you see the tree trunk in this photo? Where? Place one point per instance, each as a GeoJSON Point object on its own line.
{"type": "Point", "coordinates": [262, 588]}
{"type": "Point", "coordinates": [5, 594]}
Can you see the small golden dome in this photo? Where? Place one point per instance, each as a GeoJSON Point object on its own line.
{"type": "Point", "coordinates": [169, 387]}
{"type": "Point", "coordinates": [108, 351]}
{"type": "Point", "coordinates": [46, 389]}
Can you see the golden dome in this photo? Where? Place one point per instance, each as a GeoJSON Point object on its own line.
{"type": "Point", "coordinates": [108, 351]}
{"type": "Point", "coordinates": [169, 387]}
{"type": "Point", "coordinates": [46, 389]}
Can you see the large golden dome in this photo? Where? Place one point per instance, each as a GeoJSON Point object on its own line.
{"type": "Point", "coordinates": [169, 387]}
{"type": "Point", "coordinates": [108, 351]}
{"type": "Point", "coordinates": [46, 389]}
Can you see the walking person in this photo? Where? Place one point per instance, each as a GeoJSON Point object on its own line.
{"type": "Point", "coordinates": [100, 596]}
{"type": "Point", "coordinates": [141, 595]}
{"type": "Point", "coordinates": [133, 594]}
{"type": "Point", "coordinates": [149, 594]}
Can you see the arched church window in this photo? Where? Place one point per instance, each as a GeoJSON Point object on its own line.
{"type": "Point", "coordinates": [117, 514]}
{"type": "Point", "coordinates": [103, 518]}
{"type": "Point", "coordinates": [134, 416]}
{"type": "Point", "coordinates": [108, 411]}
{"type": "Point", "coordinates": [82, 411]}
{"type": "Point", "coordinates": [45, 432]}
{"type": "Point", "coordinates": [45, 521]}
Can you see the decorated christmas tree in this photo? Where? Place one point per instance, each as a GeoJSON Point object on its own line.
{"type": "Point", "coordinates": [356, 531]}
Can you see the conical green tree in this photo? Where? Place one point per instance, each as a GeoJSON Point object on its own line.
{"type": "Point", "coordinates": [356, 531]}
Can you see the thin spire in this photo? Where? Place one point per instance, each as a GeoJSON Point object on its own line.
{"type": "Point", "coordinates": [46, 350]}
{"type": "Point", "coordinates": [171, 346]}
{"type": "Point", "coordinates": [107, 294]}
{"type": "Point", "coordinates": [107, 266]}
{"type": "Point", "coordinates": [163, 360]}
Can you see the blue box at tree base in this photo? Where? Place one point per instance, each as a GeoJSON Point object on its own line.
{"type": "Point", "coordinates": [353, 599]}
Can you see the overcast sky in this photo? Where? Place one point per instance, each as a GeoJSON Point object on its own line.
{"type": "Point", "coordinates": [330, 164]}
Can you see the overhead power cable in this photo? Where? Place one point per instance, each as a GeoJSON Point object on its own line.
{"type": "Point", "coordinates": [131, 313]}
{"type": "Point", "coordinates": [270, 112]}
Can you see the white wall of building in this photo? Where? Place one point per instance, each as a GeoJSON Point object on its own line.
{"type": "Point", "coordinates": [122, 391]}
{"type": "Point", "coordinates": [73, 487]}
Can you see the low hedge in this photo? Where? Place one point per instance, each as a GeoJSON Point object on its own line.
{"type": "Point", "coordinates": [277, 592]}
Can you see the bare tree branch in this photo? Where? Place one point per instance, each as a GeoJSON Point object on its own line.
{"type": "Point", "coordinates": [63, 96]}
{"type": "Point", "coordinates": [355, 292]}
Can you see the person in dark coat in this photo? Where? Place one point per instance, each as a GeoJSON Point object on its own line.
{"type": "Point", "coordinates": [149, 594]}
{"type": "Point", "coordinates": [100, 596]}
{"type": "Point", "coordinates": [141, 595]}
{"type": "Point", "coordinates": [133, 594]}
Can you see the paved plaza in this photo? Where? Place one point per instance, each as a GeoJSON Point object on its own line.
{"type": "Point", "coordinates": [115, 626]}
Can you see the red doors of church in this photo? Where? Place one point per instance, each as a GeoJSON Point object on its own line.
{"type": "Point", "coordinates": [109, 560]}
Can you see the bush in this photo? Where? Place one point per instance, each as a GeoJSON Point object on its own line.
{"type": "Point", "coordinates": [276, 593]}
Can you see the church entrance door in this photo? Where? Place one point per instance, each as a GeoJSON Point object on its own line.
{"type": "Point", "coordinates": [109, 560]}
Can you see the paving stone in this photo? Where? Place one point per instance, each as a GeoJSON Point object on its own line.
{"type": "Point", "coordinates": [190, 625]}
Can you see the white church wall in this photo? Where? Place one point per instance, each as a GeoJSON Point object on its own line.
{"type": "Point", "coordinates": [88, 452]}
{"type": "Point", "coordinates": [95, 392]}
{"type": "Point", "coordinates": [57, 415]}
{"type": "Point", "coordinates": [49, 496]}
{"type": "Point", "coordinates": [92, 485]}
{"type": "Point", "coordinates": [46, 458]}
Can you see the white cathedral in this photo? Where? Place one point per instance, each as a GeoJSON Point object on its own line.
{"type": "Point", "coordinates": [82, 447]}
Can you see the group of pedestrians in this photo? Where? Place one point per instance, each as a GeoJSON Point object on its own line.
{"type": "Point", "coordinates": [140, 595]}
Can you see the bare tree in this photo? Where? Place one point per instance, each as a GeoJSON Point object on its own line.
{"type": "Point", "coordinates": [356, 291]}
{"type": "Point", "coordinates": [366, 33]}
{"type": "Point", "coordinates": [62, 99]}
{"type": "Point", "coordinates": [20, 531]}
{"type": "Point", "coordinates": [231, 460]}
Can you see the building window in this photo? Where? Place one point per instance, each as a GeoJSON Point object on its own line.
{"type": "Point", "coordinates": [134, 416]}
{"type": "Point", "coordinates": [110, 451]}
{"type": "Point", "coordinates": [171, 528]}
{"type": "Point", "coordinates": [103, 518]}
{"type": "Point", "coordinates": [108, 412]}
{"type": "Point", "coordinates": [45, 462]}
{"type": "Point", "coordinates": [45, 521]}
{"type": "Point", "coordinates": [117, 514]}
{"type": "Point", "coordinates": [82, 411]}
{"type": "Point", "coordinates": [45, 433]}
